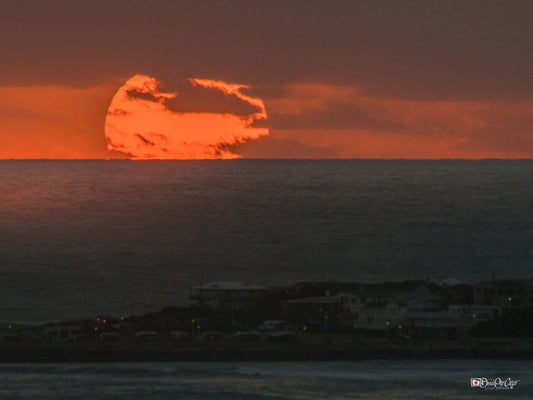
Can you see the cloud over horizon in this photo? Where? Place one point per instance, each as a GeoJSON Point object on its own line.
{"type": "Point", "coordinates": [347, 122]}
{"type": "Point", "coordinates": [380, 79]}
{"type": "Point", "coordinates": [141, 124]}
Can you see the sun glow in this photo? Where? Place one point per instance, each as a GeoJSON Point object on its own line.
{"type": "Point", "coordinates": [141, 123]}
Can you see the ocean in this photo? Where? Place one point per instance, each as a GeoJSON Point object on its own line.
{"type": "Point", "coordinates": [82, 238]}
{"type": "Point", "coordinates": [368, 380]}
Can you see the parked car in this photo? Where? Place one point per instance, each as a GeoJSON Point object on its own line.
{"type": "Point", "coordinates": [247, 336]}
{"type": "Point", "coordinates": [180, 336]}
{"type": "Point", "coordinates": [145, 336]}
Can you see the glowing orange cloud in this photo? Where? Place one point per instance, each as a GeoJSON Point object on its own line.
{"type": "Point", "coordinates": [140, 123]}
{"type": "Point", "coordinates": [54, 121]}
{"type": "Point", "coordinates": [310, 119]}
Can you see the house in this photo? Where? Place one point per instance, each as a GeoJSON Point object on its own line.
{"type": "Point", "coordinates": [228, 295]}
{"type": "Point", "coordinates": [315, 312]}
{"type": "Point", "coordinates": [325, 312]}
{"type": "Point", "coordinates": [427, 316]}
{"type": "Point", "coordinates": [60, 334]}
{"type": "Point", "coordinates": [504, 293]}
{"type": "Point", "coordinates": [431, 324]}
{"type": "Point", "coordinates": [400, 292]}
{"type": "Point", "coordinates": [379, 315]}
{"type": "Point", "coordinates": [317, 289]}
{"type": "Point", "coordinates": [426, 303]}
{"type": "Point", "coordinates": [470, 315]}
{"type": "Point", "coordinates": [312, 307]}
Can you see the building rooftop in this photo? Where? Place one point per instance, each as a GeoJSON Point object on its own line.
{"type": "Point", "coordinates": [229, 286]}
{"type": "Point", "coordinates": [315, 300]}
{"type": "Point", "coordinates": [431, 315]}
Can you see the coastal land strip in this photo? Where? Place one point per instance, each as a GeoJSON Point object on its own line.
{"type": "Point", "coordinates": [332, 347]}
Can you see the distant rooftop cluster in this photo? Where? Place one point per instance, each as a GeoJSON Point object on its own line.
{"type": "Point", "coordinates": [244, 312]}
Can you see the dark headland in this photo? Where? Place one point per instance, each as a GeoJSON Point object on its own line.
{"type": "Point", "coordinates": [307, 321]}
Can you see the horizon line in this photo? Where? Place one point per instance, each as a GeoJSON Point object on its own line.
{"type": "Point", "coordinates": [271, 159]}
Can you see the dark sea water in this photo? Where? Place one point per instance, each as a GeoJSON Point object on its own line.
{"type": "Point", "coordinates": [366, 380]}
{"type": "Point", "coordinates": [79, 238]}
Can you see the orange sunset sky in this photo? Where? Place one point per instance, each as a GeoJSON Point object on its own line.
{"type": "Point", "coordinates": [266, 79]}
